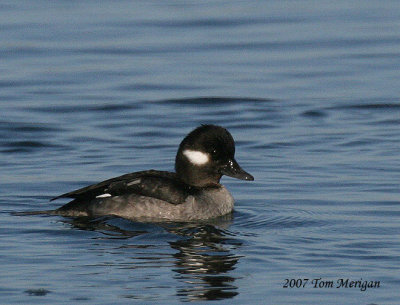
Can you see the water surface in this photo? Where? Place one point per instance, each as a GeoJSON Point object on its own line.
{"type": "Point", "coordinates": [91, 90]}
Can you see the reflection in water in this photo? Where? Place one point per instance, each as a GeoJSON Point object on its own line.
{"type": "Point", "coordinates": [101, 225]}
{"type": "Point", "coordinates": [204, 258]}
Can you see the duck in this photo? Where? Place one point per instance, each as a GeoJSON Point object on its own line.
{"type": "Point", "coordinates": [193, 192]}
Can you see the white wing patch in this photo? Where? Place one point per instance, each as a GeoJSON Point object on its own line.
{"type": "Point", "coordinates": [104, 195]}
{"type": "Point", "coordinates": [196, 157]}
{"type": "Point", "coordinates": [136, 181]}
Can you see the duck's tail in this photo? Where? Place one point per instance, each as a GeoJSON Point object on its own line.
{"type": "Point", "coordinates": [28, 213]}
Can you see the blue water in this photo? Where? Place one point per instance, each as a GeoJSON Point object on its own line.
{"type": "Point", "coordinates": [310, 91]}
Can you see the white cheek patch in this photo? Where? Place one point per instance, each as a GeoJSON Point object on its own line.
{"type": "Point", "coordinates": [196, 157]}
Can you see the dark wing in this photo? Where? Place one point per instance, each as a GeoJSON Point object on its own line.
{"type": "Point", "coordinates": [157, 184]}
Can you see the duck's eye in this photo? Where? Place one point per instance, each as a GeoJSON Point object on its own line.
{"type": "Point", "coordinates": [214, 152]}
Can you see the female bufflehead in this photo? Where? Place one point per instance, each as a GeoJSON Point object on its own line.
{"type": "Point", "coordinates": [192, 193]}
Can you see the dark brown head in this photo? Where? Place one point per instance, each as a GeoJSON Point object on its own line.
{"type": "Point", "coordinates": [205, 154]}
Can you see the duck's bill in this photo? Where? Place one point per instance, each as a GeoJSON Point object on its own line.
{"type": "Point", "coordinates": [233, 169]}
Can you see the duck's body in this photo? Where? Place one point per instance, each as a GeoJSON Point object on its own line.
{"type": "Point", "coordinates": [192, 193]}
{"type": "Point", "coordinates": [187, 204]}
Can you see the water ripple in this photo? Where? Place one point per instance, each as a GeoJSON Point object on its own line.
{"type": "Point", "coordinates": [366, 105]}
{"type": "Point", "coordinates": [278, 219]}
{"type": "Point", "coordinates": [26, 146]}
{"type": "Point", "coordinates": [225, 22]}
{"type": "Point", "coordinates": [213, 101]}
